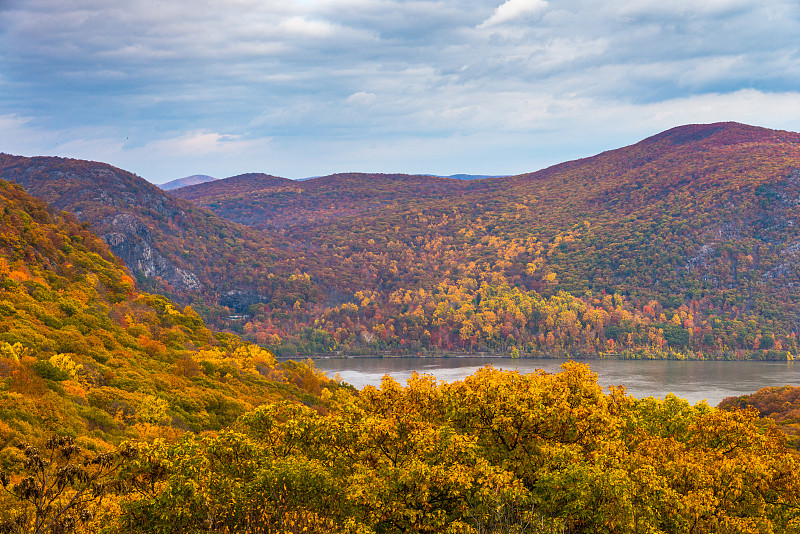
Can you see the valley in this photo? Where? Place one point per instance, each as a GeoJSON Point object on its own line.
{"type": "Point", "coordinates": [140, 389]}
{"type": "Point", "coordinates": [684, 245]}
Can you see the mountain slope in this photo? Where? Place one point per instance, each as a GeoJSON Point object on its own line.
{"type": "Point", "coordinates": [265, 201]}
{"type": "Point", "coordinates": [683, 245]}
{"type": "Point", "coordinates": [168, 244]}
{"type": "Point", "coordinates": [120, 206]}
{"type": "Point", "coordinates": [83, 353]}
{"type": "Point", "coordinates": [693, 211]}
{"type": "Point", "coordinates": [691, 233]}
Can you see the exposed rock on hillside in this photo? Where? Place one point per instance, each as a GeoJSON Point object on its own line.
{"type": "Point", "coordinates": [119, 206]}
{"type": "Point", "coordinates": [130, 240]}
{"type": "Point", "coordinates": [170, 245]}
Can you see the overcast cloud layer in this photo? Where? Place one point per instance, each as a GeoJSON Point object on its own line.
{"type": "Point", "coordinates": [178, 87]}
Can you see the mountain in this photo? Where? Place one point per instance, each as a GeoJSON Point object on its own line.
{"type": "Point", "coordinates": [169, 245]}
{"type": "Point", "coordinates": [265, 201]}
{"type": "Point", "coordinates": [781, 404]}
{"type": "Point", "coordinates": [188, 180]}
{"type": "Point", "coordinates": [83, 353]}
{"type": "Point", "coordinates": [685, 244]}
{"type": "Point", "coordinates": [469, 176]}
{"type": "Point", "coordinates": [129, 213]}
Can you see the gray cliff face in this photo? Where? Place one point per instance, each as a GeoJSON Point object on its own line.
{"type": "Point", "coordinates": [130, 240]}
{"type": "Point", "coordinates": [114, 202]}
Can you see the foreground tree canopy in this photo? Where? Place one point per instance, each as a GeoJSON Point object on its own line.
{"type": "Point", "coordinates": [496, 452]}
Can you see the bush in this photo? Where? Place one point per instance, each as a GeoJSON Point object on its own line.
{"type": "Point", "coordinates": [48, 371]}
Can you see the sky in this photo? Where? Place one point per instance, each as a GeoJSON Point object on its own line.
{"type": "Point", "coordinates": [170, 88]}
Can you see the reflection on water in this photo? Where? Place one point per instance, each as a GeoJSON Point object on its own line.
{"type": "Point", "coordinates": [691, 380]}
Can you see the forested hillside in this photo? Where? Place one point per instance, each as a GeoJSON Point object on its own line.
{"type": "Point", "coordinates": [121, 411]}
{"type": "Point", "coordinates": [265, 201]}
{"type": "Point", "coordinates": [169, 245]}
{"type": "Point", "coordinates": [684, 245]}
{"type": "Point", "coordinates": [780, 404]}
{"type": "Point", "coordinates": [83, 352]}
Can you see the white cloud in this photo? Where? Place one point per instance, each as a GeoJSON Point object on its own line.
{"type": "Point", "coordinates": [202, 143]}
{"type": "Point", "coordinates": [749, 106]}
{"type": "Point", "coordinates": [361, 98]}
{"type": "Point", "coordinates": [512, 10]}
{"type": "Point", "coordinates": [682, 7]}
{"type": "Point", "coordinates": [317, 29]}
{"type": "Point", "coordinates": [12, 122]}
{"type": "Point", "coordinates": [19, 136]}
{"type": "Point", "coordinates": [253, 83]}
{"type": "Point", "coordinates": [708, 71]}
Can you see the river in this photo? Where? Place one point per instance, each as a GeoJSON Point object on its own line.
{"type": "Point", "coordinates": [691, 380]}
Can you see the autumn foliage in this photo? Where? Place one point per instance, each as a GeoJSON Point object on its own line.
{"type": "Point", "coordinates": [121, 411]}
{"type": "Point", "coordinates": [496, 452]}
{"type": "Point", "coordinates": [83, 351]}
{"type": "Point", "coordinates": [684, 245]}
{"type": "Point", "coordinates": [778, 404]}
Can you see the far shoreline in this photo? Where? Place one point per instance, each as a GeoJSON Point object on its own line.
{"type": "Point", "coordinates": [671, 356]}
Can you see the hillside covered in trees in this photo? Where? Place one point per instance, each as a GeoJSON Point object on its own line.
{"type": "Point", "coordinates": [780, 404]}
{"type": "Point", "coordinates": [121, 411]}
{"type": "Point", "coordinates": [683, 245]}
{"type": "Point", "coordinates": [169, 245]}
{"type": "Point", "coordinates": [497, 452]}
{"type": "Point", "coordinates": [84, 352]}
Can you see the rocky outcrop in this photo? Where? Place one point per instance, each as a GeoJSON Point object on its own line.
{"type": "Point", "coordinates": [116, 203]}
{"type": "Point", "coordinates": [130, 240]}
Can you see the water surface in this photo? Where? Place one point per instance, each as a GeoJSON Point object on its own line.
{"type": "Point", "coordinates": [691, 380]}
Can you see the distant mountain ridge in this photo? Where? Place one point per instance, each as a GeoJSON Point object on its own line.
{"type": "Point", "coordinates": [188, 180]}
{"type": "Point", "coordinates": [699, 221]}
{"type": "Point", "coordinates": [169, 245]}
{"type": "Point", "coordinates": [249, 181]}
{"type": "Point", "coordinates": [258, 197]}
{"type": "Point", "coordinates": [472, 176]}
{"type": "Point", "coordinates": [686, 244]}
